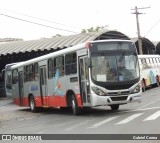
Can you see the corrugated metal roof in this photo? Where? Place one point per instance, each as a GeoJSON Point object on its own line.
{"type": "Point", "coordinates": [157, 44]}
{"type": "Point", "coordinates": [145, 41]}
{"type": "Point", "coordinates": [147, 46]}
{"type": "Point", "coordinates": [57, 42]}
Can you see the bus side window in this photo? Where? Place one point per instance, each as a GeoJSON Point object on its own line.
{"type": "Point", "coordinates": [50, 68]}
{"type": "Point", "coordinates": [144, 63]}
{"type": "Point", "coordinates": [82, 69]}
{"type": "Point", "coordinates": [151, 61]}
{"type": "Point", "coordinates": [31, 72]}
{"type": "Point", "coordinates": [158, 60]}
{"type": "Point", "coordinates": [27, 73]}
{"type": "Point", "coordinates": [24, 69]}
{"type": "Point", "coordinates": [36, 71]}
{"type": "Point", "coordinates": [155, 62]}
{"type": "Point", "coordinates": [59, 66]}
{"type": "Point", "coordinates": [71, 63]}
{"type": "Point", "coordinates": [158, 64]}
{"type": "Point", "coordinates": [15, 76]}
{"type": "Point", "coordinates": [147, 63]}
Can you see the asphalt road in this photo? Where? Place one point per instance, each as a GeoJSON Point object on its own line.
{"type": "Point", "coordinates": [134, 118]}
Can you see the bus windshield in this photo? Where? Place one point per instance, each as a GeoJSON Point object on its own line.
{"type": "Point", "coordinates": [114, 66]}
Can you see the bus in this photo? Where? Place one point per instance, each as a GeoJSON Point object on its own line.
{"type": "Point", "coordinates": [149, 70]}
{"type": "Point", "coordinates": [85, 75]}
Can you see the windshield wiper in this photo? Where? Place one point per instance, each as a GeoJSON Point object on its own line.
{"type": "Point", "coordinates": [121, 58]}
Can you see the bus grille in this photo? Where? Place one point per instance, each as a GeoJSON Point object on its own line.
{"type": "Point", "coordinates": [119, 98]}
{"type": "Point", "coordinates": [118, 86]}
{"type": "Point", "coordinates": [118, 93]}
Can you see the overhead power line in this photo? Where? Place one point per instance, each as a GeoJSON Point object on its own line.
{"type": "Point", "coordinates": [37, 23]}
{"type": "Point", "coordinates": [41, 19]}
{"type": "Point", "coordinates": [152, 26]}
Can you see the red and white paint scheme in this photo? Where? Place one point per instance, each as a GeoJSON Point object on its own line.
{"type": "Point", "coordinates": [95, 73]}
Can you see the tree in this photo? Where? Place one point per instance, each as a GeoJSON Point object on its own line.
{"type": "Point", "coordinates": [57, 35]}
{"type": "Point", "coordinates": [98, 28]}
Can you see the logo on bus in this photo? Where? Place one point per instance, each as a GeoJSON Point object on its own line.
{"type": "Point", "coordinates": [57, 86]}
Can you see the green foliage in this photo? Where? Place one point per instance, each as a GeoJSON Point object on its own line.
{"type": "Point", "coordinates": [57, 35]}
{"type": "Point", "coordinates": [92, 29]}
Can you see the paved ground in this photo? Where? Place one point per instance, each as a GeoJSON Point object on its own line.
{"type": "Point", "coordinates": [17, 113]}
{"type": "Point", "coordinates": [129, 119]}
{"type": "Point", "coordinates": [14, 112]}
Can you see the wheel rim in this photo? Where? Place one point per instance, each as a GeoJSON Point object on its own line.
{"type": "Point", "coordinates": [32, 105]}
{"type": "Point", "coordinates": [73, 105]}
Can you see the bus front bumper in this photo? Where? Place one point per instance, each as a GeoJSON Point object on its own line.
{"type": "Point", "coordinates": [110, 100]}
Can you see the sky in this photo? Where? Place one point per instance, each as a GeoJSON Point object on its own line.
{"type": "Point", "coordinates": [68, 17]}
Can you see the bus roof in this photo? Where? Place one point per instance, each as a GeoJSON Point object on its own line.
{"type": "Point", "coordinates": [148, 56]}
{"type": "Point", "coordinates": [63, 51]}
{"type": "Point", "coordinates": [11, 64]}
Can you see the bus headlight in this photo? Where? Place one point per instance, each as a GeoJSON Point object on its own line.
{"type": "Point", "coordinates": [98, 91]}
{"type": "Point", "coordinates": [136, 89]}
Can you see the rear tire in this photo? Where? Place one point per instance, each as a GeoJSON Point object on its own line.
{"type": "Point", "coordinates": [75, 109]}
{"type": "Point", "coordinates": [114, 107]}
{"type": "Point", "coordinates": [32, 105]}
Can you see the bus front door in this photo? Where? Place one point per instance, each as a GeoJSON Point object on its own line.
{"type": "Point", "coordinates": [20, 83]}
{"type": "Point", "coordinates": [43, 85]}
{"type": "Point", "coordinates": [84, 81]}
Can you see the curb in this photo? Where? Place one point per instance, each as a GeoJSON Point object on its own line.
{"type": "Point", "coordinates": [3, 98]}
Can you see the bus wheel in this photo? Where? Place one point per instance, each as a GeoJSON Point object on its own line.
{"type": "Point", "coordinates": [143, 86]}
{"type": "Point", "coordinates": [157, 81]}
{"type": "Point", "coordinates": [32, 104]}
{"type": "Point", "coordinates": [75, 108]}
{"type": "Point", "coordinates": [114, 107]}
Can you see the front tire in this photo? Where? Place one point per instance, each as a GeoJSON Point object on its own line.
{"type": "Point", "coordinates": [75, 109]}
{"type": "Point", "coordinates": [114, 107]}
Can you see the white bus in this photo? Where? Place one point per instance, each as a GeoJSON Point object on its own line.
{"type": "Point", "coordinates": [149, 70]}
{"type": "Point", "coordinates": [86, 75]}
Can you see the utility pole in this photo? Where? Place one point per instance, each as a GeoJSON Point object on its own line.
{"type": "Point", "coordinates": [138, 28]}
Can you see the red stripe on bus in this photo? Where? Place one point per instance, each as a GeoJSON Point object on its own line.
{"type": "Point", "coordinates": [38, 101]}
{"type": "Point", "coordinates": [57, 101]}
{"type": "Point", "coordinates": [79, 101]}
{"type": "Point", "coordinates": [16, 101]}
{"type": "Point", "coordinates": [51, 101]}
{"type": "Point", "coordinates": [24, 101]}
